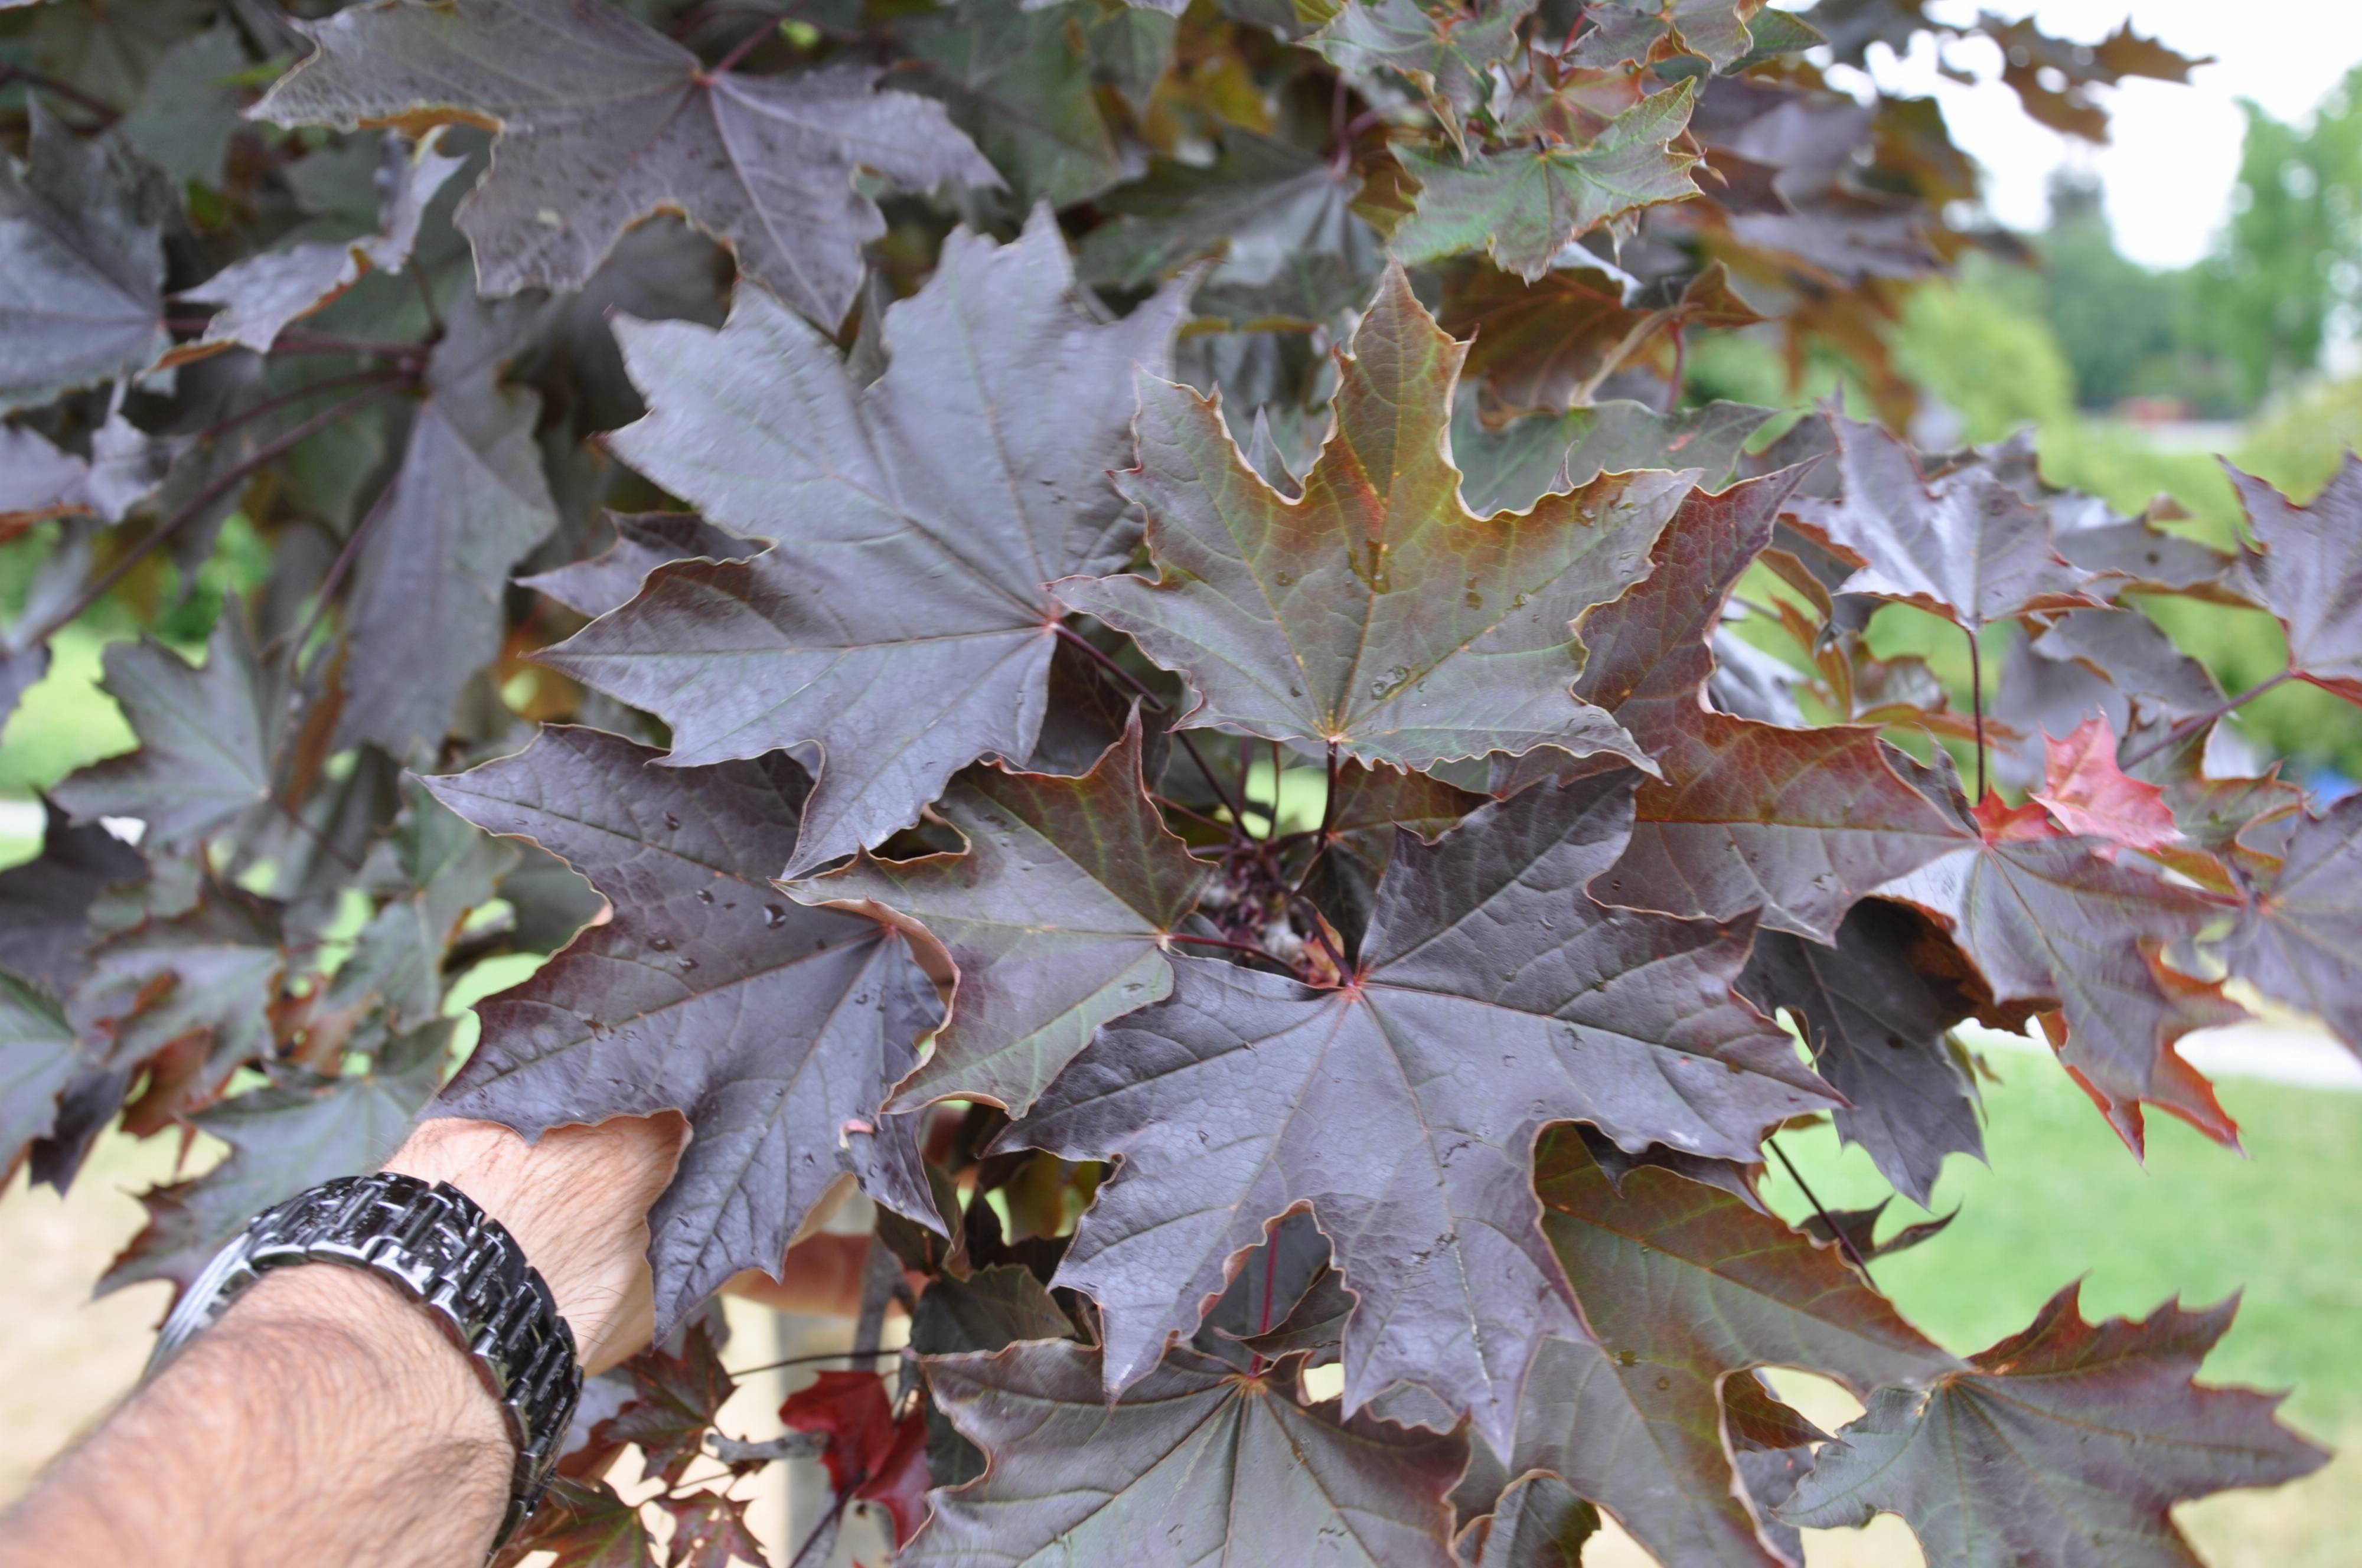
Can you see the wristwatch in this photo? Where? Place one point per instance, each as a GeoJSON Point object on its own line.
{"type": "Point", "coordinates": [452, 1258]}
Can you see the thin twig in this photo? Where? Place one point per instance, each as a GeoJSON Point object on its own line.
{"type": "Point", "coordinates": [809, 1360]}
{"type": "Point", "coordinates": [270, 405]}
{"type": "Point", "coordinates": [336, 577]}
{"type": "Point", "coordinates": [827, 1527]}
{"type": "Point", "coordinates": [1099, 656]}
{"type": "Point", "coordinates": [1234, 946]}
{"type": "Point", "coordinates": [66, 89]}
{"type": "Point", "coordinates": [1328, 821]}
{"type": "Point", "coordinates": [1271, 828]}
{"type": "Point", "coordinates": [264, 456]}
{"type": "Point", "coordinates": [1681, 369]}
{"type": "Point", "coordinates": [2191, 727]}
{"type": "Point", "coordinates": [1977, 704]}
{"type": "Point", "coordinates": [743, 48]}
{"type": "Point", "coordinates": [1844, 1241]}
{"type": "Point", "coordinates": [1177, 809]}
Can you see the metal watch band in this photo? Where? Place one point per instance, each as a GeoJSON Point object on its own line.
{"type": "Point", "coordinates": [451, 1257]}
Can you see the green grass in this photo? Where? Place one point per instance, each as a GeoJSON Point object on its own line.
{"type": "Point", "coordinates": [2064, 1198]}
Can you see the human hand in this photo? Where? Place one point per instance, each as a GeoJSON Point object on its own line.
{"type": "Point", "coordinates": [576, 1200]}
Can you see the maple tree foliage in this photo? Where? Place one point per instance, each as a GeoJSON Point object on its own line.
{"type": "Point", "coordinates": [1115, 625]}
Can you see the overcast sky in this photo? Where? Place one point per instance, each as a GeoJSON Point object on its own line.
{"type": "Point", "coordinates": [2170, 169]}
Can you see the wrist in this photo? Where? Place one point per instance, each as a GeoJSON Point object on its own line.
{"type": "Point", "coordinates": [576, 1201]}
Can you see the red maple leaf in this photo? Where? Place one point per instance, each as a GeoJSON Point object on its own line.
{"type": "Point", "coordinates": [870, 1455]}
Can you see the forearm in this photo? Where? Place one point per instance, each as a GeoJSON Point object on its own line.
{"type": "Point", "coordinates": [325, 1419]}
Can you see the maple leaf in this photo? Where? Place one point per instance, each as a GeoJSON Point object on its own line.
{"type": "Point", "coordinates": [1057, 919]}
{"type": "Point", "coordinates": [1491, 998]}
{"type": "Point", "coordinates": [1875, 1006]}
{"type": "Point", "coordinates": [45, 904]}
{"type": "Point", "coordinates": [710, 1531]}
{"type": "Point", "coordinates": [603, 122]}
{"type": "Point", "coordinates": [468, 498]}
{"type": "Point", "coordinates": [1683, 1284]}
{"type": "Point", "coordinates": [587, 1525]}
{"type": "Point", "coordinates": [265, 293]}
{"type": "Point", "coordinates": [1012, 80]}
{"type": "Point", "coordinates": [1281, 220]}
{"type": "Point", "coordinates": [644, 541]}
{"type": "Point", "coordinates": [1522, 206]}
{"type": "Point", "coordinates": [2087, 794]}
{"type": "Point", "coordinates": [1548, 343]}
{"type": "Point", "coordinates": [207, 737]}
{"type": "Point", "coordinates": [2300, 942]}
{"type": "Point", "coordinates": [1375, 614]}
{"type": "Point", "coordinates": [1747, 815]}
{"type": "Point", "coordinates": [2304, 568]}
{"type": "Point", "coordinates": [1964, 546]}
{"type": "Point", "coordinates": [870, 1457]}
{"type": "Point", "coordinates": [1718, 30]}
{"type": "Point", "coordinates": [438, 868]}
{"type": "Point", "coordinates": [1537, 1522]}
{"type": "Point", "coordinates": [204, 976]}
{"type": "Point", "coordinates": [2115, 665]}
{"type": "Point", "coordinates": [1512, 466]}
{"type": "Point", "coordinates": [282, 1139]}
{"type": "Point", "coordinates": [971, 474]}
{"type": "Point", "coordinates": [675, 1399]}
{"type": "Point", "coordinates": [2046, 921]}
{"type": "Point", "coordinates": [797, 1019]}
{"type": "Point", "coordinates": [37, 1060]}
{"type": "Point", "coordinates": [1445, 55]}
{"type": "Point", "coordinates": [2066, 1443]}
{"type": "Point", "coordinates": [82, 254]}
{"type": "Point", "coordinates": [1198, 1462]}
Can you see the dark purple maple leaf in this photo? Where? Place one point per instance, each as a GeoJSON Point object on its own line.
{"type": "Point", "coordinates": [1057, 918]}
{"type": "Point", "coordinates": [968, 475]}
{"type": "Point", "coordinates": [605, 121]}
{"type": "Point", "coordinates": [1493, 997]}
{"type": "Point", "coordinates": [1196, 1462]}
{"type": "Point", "coordinates": [776, 1029]}
{"type": "Point", "coordinates": [2065, 1444]}
{"type": "Point", "coordinates": [2306, 570]}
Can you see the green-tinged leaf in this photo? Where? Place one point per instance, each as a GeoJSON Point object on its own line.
{"type": "Point", "coordinates": [1280, 219]}
{"type": "Point", "coordinates": [81, 266]}
{"type": "Point", "coordinates": [605, 122]}
{"type": "Point", "coordinates": [468, 498]}
{"type": "Point", "coordinates": [262, 295]}
{"type": "Point", "coordinates": [1057, 919]}
{"type": "Point", "coordinates": [186, 119]}
{"type": "Point", "coordinates": [1523, 205]}
{"type": "Point", "coordinates": [437, 867]}
{"type": "Point", "coordinates": [1198, 1463]}
{"type": "Point", "coordinates": [775, 1029]}
{"type": "Point", "coordinates": [1684, 1285]}
{"type": "Point", "coordinates": [1514, 465]}
{"type": "Point", "coordinates": [1376, 612]}
{"type": "Point", "coordinates": [970, 476]}
{"type": "Point", "coordinates": [1491, 997]}
{"type": "Point", "coordinates": [1014, 81]}
{"type": "Point", "coordinates": [2062, 1446]}
{"type": "Point", "coordinates": [1445, 54]}
{"type": "Point", "coordinates": [206, 739]}
{"type": "Point", "coordinates": [281, 1139]}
